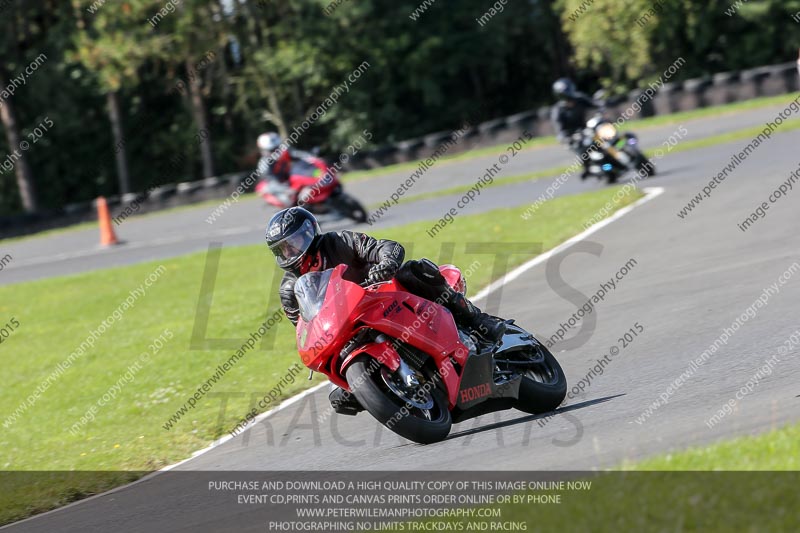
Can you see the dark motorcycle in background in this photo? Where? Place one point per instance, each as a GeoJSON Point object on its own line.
{"type": "Point", "coordinates": [612, 153]}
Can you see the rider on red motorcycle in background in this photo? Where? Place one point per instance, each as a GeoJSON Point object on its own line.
{"type": "Point", "coordinates": [294, 237]}
{"type": "Point", "coordinates": [275, 165]}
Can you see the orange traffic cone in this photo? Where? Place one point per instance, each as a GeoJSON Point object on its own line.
{"type": "Point", "coordinates": [107, 236]}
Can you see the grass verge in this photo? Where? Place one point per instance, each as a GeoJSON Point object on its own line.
{"type": "Point", "coordinates": [127, 433]}
{"type": "Point", "coordinates": [649, 501]}
{"type": "Point", "coordinates": [777, 450]}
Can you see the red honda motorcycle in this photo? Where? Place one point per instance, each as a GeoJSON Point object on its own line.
{"type": "Point", "coordinates": [316, 187]}
{"type": "Point", "coordinates": [409, 365]}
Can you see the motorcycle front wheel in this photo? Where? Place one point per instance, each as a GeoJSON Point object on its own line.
{"type": "Point", "coordinates": [421, 416]}
{"type": "Point", "coordinates": [349, 207]}
{"type": "Point", "coordinates": [645, 166]}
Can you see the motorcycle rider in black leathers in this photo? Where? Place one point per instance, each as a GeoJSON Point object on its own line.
{"type": "Point", "coordinates": [293, 235]}
{"type": "Point", "coordinates": [569, 117]}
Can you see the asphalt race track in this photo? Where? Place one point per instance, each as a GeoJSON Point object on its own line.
{"type": "Point", "coordinates": [692, 278]}
{"type": "Point", "coordinates": [186, 230]}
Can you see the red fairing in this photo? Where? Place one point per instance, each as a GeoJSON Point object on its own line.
{"type": "Point", "coordinates": [412, 319]}
{"type": "Point", "coordinates": [382, 351]}
{"type": "Point", "coordinates": [312, 182]}
{"type": "Point", "coordinates": [330, 330]}
{"type": "Point", "coordinates": [386, 308]}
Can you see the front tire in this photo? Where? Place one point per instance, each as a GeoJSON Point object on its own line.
{"type": "Point", "coordinates": [645, 166]}
{"type": "Point", "coordinates": [544, 387]}
{"type": "Point", "coordinates": [368, 381]}
{"type": "Point", "coordinates": [349, 207]}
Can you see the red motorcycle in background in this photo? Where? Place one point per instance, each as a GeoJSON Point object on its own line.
{"type": "Point", "coordinates": [316, 187]}
{"type": "Point", "coordinates": [409, 365]}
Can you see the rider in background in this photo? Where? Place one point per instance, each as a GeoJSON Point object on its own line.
{"type": "Point", "coordinates": [569, 117]}
{"type": "Point", "coordinates": [294, 237]}
{"type": "Point", "coordinates": [275, 165]}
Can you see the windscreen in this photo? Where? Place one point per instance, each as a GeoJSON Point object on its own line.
{"type": "Point", "coordinates": [310, 292]}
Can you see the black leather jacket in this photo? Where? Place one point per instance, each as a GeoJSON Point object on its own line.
{"type": "Point", "coordinates": [358, 251]}
{"type": "Point", "coordinates": [570, 118]}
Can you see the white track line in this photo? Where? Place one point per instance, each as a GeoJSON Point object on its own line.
{"type": "Point", "coordinates": [284, 404]}
{"type": "Point", "coordinates": [650, 193]}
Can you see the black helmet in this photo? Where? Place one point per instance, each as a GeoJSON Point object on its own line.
{"type": "Point", "coordinates": [290, 233]}
{"type": "Point", "coordinates": [564, 88]}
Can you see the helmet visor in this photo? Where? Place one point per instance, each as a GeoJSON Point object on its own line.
{"type": "Point", "coordinates": [290, 250]}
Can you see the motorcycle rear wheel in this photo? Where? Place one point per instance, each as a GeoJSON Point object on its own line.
{"type": "Point", "coordinates": [367, 380]}
{"type": "Point", "coordinates": [543, 388]}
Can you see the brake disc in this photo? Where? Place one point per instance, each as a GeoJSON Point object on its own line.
{"type": "Point", "coordinates": [403, 393]}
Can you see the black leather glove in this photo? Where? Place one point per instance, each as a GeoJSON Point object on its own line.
{"type": "Point", "coordinates": [383, 271]}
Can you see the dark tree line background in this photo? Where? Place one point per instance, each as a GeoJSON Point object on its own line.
{"type": "Point", "coordinates": [135, 104]}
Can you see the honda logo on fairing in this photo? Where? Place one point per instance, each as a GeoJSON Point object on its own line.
{"type": "Point", "coordinates": [394, 306]}
{"type": "Point", "coordinates": [475, 393]}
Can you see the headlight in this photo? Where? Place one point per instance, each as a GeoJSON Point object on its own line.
{"type": "Point", "coordinates": [607, 131]}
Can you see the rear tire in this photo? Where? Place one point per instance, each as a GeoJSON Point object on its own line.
{"type": "Point", "coordinates": [367, 383]}
{"type": "Point", "coordinates": [349, 207]}
{"type": "Point", "coordinates": [542, 389]}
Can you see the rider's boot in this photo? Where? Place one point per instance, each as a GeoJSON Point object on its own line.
{"type": "Point", "coordinates": [344, 402]}
{"type": "Point", "coordinates": [464, 311]}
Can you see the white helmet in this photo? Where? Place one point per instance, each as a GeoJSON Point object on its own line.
{"type": "Point", "coordinates": [269, 142]}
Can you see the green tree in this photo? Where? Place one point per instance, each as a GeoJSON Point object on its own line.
{"type": "Point", "coordinates": [629, 42]}
{"type": "Point", "coordinates": [14, 54]}
{"type": "Point", "coordinates": [114, 43]}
